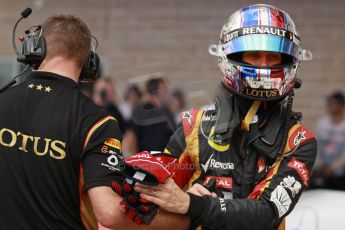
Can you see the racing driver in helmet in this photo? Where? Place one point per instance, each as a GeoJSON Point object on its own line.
{"type": "Point", "coordinates": [252, 155]}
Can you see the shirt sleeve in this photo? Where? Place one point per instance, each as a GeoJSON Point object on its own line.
{"type": "Point", "coordinates": [270, 201]}
{"type": "Point", "coordinates": [102, 153]}
{"type": "Point", "coordinates": [178, 148]}
{"type": "Point", "coordinates": [132, 124]}
{"type": "Point", "coordinates": [177, 143]}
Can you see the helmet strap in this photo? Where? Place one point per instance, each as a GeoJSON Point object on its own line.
{"type": "Point", "coordinates": [250, 115]}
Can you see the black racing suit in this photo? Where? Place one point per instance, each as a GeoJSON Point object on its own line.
{"type": "Point", "coordinates": [260, 175]}
{"type": "Point", "coordinates": [54, 142]}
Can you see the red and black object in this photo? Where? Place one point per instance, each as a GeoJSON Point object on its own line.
{"type": "Point", "coordinates": [139, 210]}
{"type": "Point", "coordinates": [150, 168]}
{"type": "Point", "coordinates": [146, 168]}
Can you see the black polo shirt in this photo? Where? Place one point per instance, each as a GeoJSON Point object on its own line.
{"type": "Point", "coordinates": [152, 126]}
{"type": "Point", "coordinates": [54, 145]}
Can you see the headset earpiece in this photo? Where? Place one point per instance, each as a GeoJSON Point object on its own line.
{"type": "Point", "coordinates": [33, 52]}
{"type": "Point", "coordinates": [33, 48]}
{"type": "Point", "coordinates": [90, 70]}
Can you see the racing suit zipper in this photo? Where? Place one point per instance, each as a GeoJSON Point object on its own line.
{"type": "Point", "coordinates": [243, 155]}
{"type": "Point", "coordinates": [242, 148]}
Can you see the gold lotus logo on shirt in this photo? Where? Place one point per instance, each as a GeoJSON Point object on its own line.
{"type": "Point", "coordinates": [19, 140]}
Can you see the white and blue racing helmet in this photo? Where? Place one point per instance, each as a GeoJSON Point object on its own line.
{"type": "Point", "coordinates": [259, 27]}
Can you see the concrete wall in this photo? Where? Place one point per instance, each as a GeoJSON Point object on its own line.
{"type": "Point", "coordinates": [171, 37]}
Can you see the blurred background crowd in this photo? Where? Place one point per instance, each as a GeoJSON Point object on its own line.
{"type": "Point", "coordinates": [147, 115]}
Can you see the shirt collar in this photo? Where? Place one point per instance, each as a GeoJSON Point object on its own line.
{"type": "Point", "coordinates": [42, 75]}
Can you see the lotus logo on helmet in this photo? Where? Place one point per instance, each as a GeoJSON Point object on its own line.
{"type": "Point", "coordinates": [261, 92]}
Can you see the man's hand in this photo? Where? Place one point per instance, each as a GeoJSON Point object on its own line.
{"type": "Point", "coordinates": [167, 195]}
{"type": "Point", "coordinates": [199, 190]}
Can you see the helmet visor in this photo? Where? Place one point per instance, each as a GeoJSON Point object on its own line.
{"type": "Point", "coordinates": [261, 42]}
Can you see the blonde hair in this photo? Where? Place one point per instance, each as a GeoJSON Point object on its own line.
{"type": "Point", "coordinates": [67, 36]}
